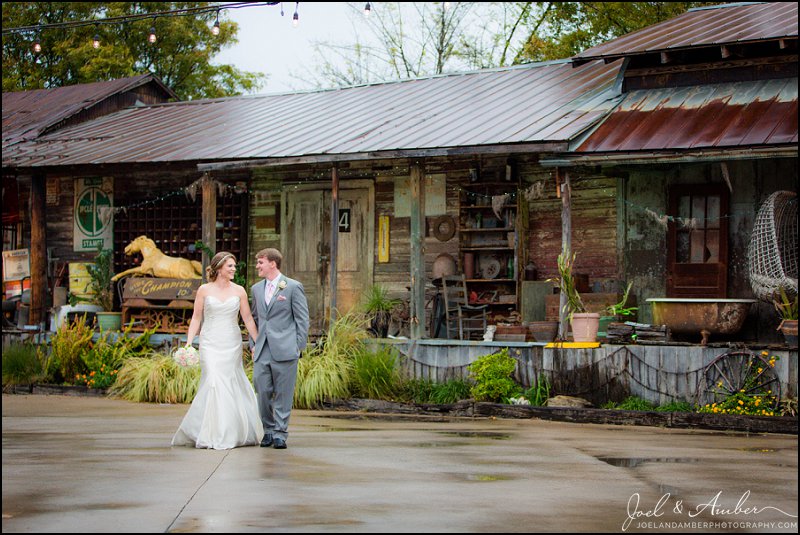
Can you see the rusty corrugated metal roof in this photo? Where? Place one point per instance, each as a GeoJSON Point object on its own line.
{"type": "Point", "coordinates": [711, 26]}
{"type": "Point", "coordinates": [27, 114]}
{"type": "Point", "coordinates": [538, 103]}
{"type": "Point", "coordinates": [738, 114]}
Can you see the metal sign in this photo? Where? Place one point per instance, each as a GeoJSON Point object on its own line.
{"type": "Point", "coordinates": [93, 222]}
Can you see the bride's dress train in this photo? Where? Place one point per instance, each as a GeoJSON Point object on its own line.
{"type": "Point", "coordinates": [224, 413]}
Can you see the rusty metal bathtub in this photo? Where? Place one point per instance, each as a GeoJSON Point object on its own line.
{"type": "Point", "coordinates": [700, 316]}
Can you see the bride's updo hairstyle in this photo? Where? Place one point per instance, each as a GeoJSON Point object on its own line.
{"type": "Point", "coordinates": [216, 264]}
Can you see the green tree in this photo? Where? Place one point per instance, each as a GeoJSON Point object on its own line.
{"type": "Point", "coordinates": [563, 29]}
{"type": "Point", "coordinates": [412, 39]}
{"type": "Point", "coordinates": [181, 57]}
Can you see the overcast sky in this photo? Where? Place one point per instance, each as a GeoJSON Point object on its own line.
{"type": "Point", "coordinates": [269, 43]}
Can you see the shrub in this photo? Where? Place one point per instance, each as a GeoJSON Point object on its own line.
{"type": "Point", "coordinates": [22, 364]}
{"type": "Point", "coordinates": [450, 391]}
{"type": "Point", "coordinates": [375, 375]}
{"type": "Point", "coordinates": [416, 391]}
{"type": "Point", "coordinates": [539, 393]}
{"type": "Point", "coordinates": [67, 347]}
{"type": "Point", "coordinates": [156, 378]}
{"type": "Point", "coordinates": [106, 356]}
{"type": "Point", "coordinates": [492, 376]}
{"type": "Point", "coordinates": [326, 369]}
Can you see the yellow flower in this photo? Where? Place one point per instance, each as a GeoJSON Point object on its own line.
{"type": "Point", "coordinates": [760, 370]}
{"type": "Point", "coordinates": [741, 402]}
{"type": "Point", "coordinates": [765, 353]}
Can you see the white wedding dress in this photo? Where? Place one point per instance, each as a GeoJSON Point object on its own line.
{"type": "Point", "coordinates": [224, 413]}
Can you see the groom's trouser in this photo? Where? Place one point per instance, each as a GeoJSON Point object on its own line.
{"type": "Point", "coordinates": [274, 382]}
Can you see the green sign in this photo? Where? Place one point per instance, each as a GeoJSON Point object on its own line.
{"type": "Point", "coordinates": [93, 221]}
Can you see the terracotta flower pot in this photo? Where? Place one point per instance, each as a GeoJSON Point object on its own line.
{"type": "Point", "coordinates": [585, 326]}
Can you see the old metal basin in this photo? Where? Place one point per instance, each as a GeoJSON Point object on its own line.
{"type": "Point", "coordinates": [701, 316]}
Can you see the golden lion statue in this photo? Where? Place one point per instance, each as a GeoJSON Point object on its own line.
{"type": "Point", "coordinates": [158, 264]}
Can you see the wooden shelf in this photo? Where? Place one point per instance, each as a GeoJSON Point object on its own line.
{"type": "Point", "coordinates": [487, 248]}
{"type": "Point", "coordinates": [491, 280]}
{"type": "Point", "coordinates": [495, 229]}
{"type": "Point", "coordinates": [487, 207]}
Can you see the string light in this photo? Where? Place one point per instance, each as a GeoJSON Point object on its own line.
{"type": "Point", "coordinates": [215, 28]}
{"type": "Point", "coordinates": [37, 46]}
{"type": "Point", "coordinates": [296, 16]}
{"type": "Point", "coordinates": [152, 37]}
{"type": "Point", "coordinates": [367, 10]}
{"type": "Point", "coordinates": [96, 40]}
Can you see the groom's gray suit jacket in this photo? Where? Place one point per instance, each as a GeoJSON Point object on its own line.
{"type": "Point", "coordinates": [283, 324]}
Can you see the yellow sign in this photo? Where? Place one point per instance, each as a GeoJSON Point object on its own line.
{"type": "Point", "coordinates": [383, 238]}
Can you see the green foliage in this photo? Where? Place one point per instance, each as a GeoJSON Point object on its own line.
{"type": "Point", "coordinates": [67, 347]}
{"type": "Point", "coordinates": [22, 364]}
{"type": "Point", "coordinates": [416, 391]}
{"type": "Point", "coordinates": [326, 369]}
{"type": "Point", "coordinates": [101, 273]}
{"type": "Point", "coordinates": [566, 282]}
{"type": "Point", "coordinates": [450, 391]}
{"type": "Point", "coordinates": [156, 378]}
{"type": "Point", "coordinates": [539, 393]}
{"type": "Point", "coordinates": [563, 29]}
{"type": "Point", "coordinates": [492, 377]}
{"type": "Point", "coordinates": [632, 403]}
{"type": "Point", "coordinates": [754, 397]}
{"type": "Point", "coordinates": [375, 375]}
{"type": "Point", "coordinates": [426, 391]}
{"type": "Point", "coordinates": [377, 299]}
{"type": "Point", "coordinates": [786, 307]}
{"type": "Point", "coordinates": [106, 356]}
{"type": "Point", "coordinates": [181, 58]}
{"type": "Point", "coordinates": [619, 309]}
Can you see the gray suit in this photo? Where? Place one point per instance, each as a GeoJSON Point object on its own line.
{"type": "Point", "coordinates": [282, 336]}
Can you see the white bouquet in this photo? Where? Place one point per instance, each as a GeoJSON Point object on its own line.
{"type": "Point", "coordinates": [186, 356]}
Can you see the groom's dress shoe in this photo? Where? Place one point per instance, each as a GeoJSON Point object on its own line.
{"type": "Point", "coordinates": [267, 441]}
{"type": "Point", "coordinates": [279, 444]}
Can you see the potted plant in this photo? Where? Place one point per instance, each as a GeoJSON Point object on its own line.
{"type": "Point", "coordinates": [102, 287]}
{"type": "Point", "coordinates": [787, 309]}
{"type": "Point", "coordinates": [584, 324]}
{"type": "Point", "coordinates": [617, 312]}
{"type": "Point", "coordinates": [378, 304]}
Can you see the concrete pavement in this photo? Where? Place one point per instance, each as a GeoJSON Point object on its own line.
{"type": "Point", "coordinates": [86, 464]}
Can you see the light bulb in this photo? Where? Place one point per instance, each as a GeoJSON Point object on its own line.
{"type": "Point", "coordinates": [152, 38]}
{"type": "Point", "coordinates": [367, 10]}
{"type": "Point", "coordinates": [295, 19]}
{"type": "Point", "coordinates": [215, 29]}
{"type": "Point", "coordinates": [96, 41]}
{"type": "Point", "coordinates": [37, 46]}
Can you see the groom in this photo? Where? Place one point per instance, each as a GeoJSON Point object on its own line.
{"type": "Point", "coordinates": [281, 313]}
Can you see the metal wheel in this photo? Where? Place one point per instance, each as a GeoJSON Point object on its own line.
{"type": "Point", "coordinates": [739, 372]}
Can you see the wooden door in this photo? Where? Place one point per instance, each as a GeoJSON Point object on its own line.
{"type": "Point", "coordinates": [697, 242]}
{"type": "Point", "coordinates": [306, 246]}
{"type": "Point", "coordinates": [303, 256]}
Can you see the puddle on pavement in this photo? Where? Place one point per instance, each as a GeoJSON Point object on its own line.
{"type": "Point", "coordinates": [633, 462]}
{"type": "Point", "coordinates": [477, 434]}
{"type": "Point", "coordinates": [482, 477]}
{"type": "Point", "coordinates": [443, 444]}
{"type": "Point", "coordinates": [759, 450]}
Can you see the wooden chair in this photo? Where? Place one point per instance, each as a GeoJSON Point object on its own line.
{"type": "Point", "coordinates": [468, 321]}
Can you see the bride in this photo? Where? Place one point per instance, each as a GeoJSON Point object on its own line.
{"type": "Point", "coordinates": [224, 413]}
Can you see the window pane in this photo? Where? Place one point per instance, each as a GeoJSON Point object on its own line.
{"type": "Point", "coordinates": [699, 210]}
{"type": "Point", "coordinates": [698, 252]}
{"type": "Point", "coordinates": [712, 245]}
{"type": "Point", "coordinates": [682, 247]}
{"type": "Point", "coordinates": [713, 212]}
{"type": "Point", "coordinates": [683, 207]}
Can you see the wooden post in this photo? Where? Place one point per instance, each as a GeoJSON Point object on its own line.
{"type": "Point", "coordinates": [417, 260]}
{"type": "Point", "coordinates": [209, 218]}
{"type": "Point", "coordinates": [38, 253]}
{"type": "Point", "coordinates": [566, 244]}
{"type": "Point", "coordinates": [334, 240]}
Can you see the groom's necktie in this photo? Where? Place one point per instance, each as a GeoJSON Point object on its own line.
{"type": "Point", "coordinates": [270, 291]}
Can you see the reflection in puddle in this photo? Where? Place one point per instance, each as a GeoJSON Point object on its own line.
{"type": "Point", "coordinates": [438, 444]}
{"type": "Point", "coordinates": [633, 462]}
{"type": "Point", "coordinates": [759, 450]}
{"type": "Point", "coordinates": [482, 477]}
{"type": "Point", "coordinates": [477, 434]}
